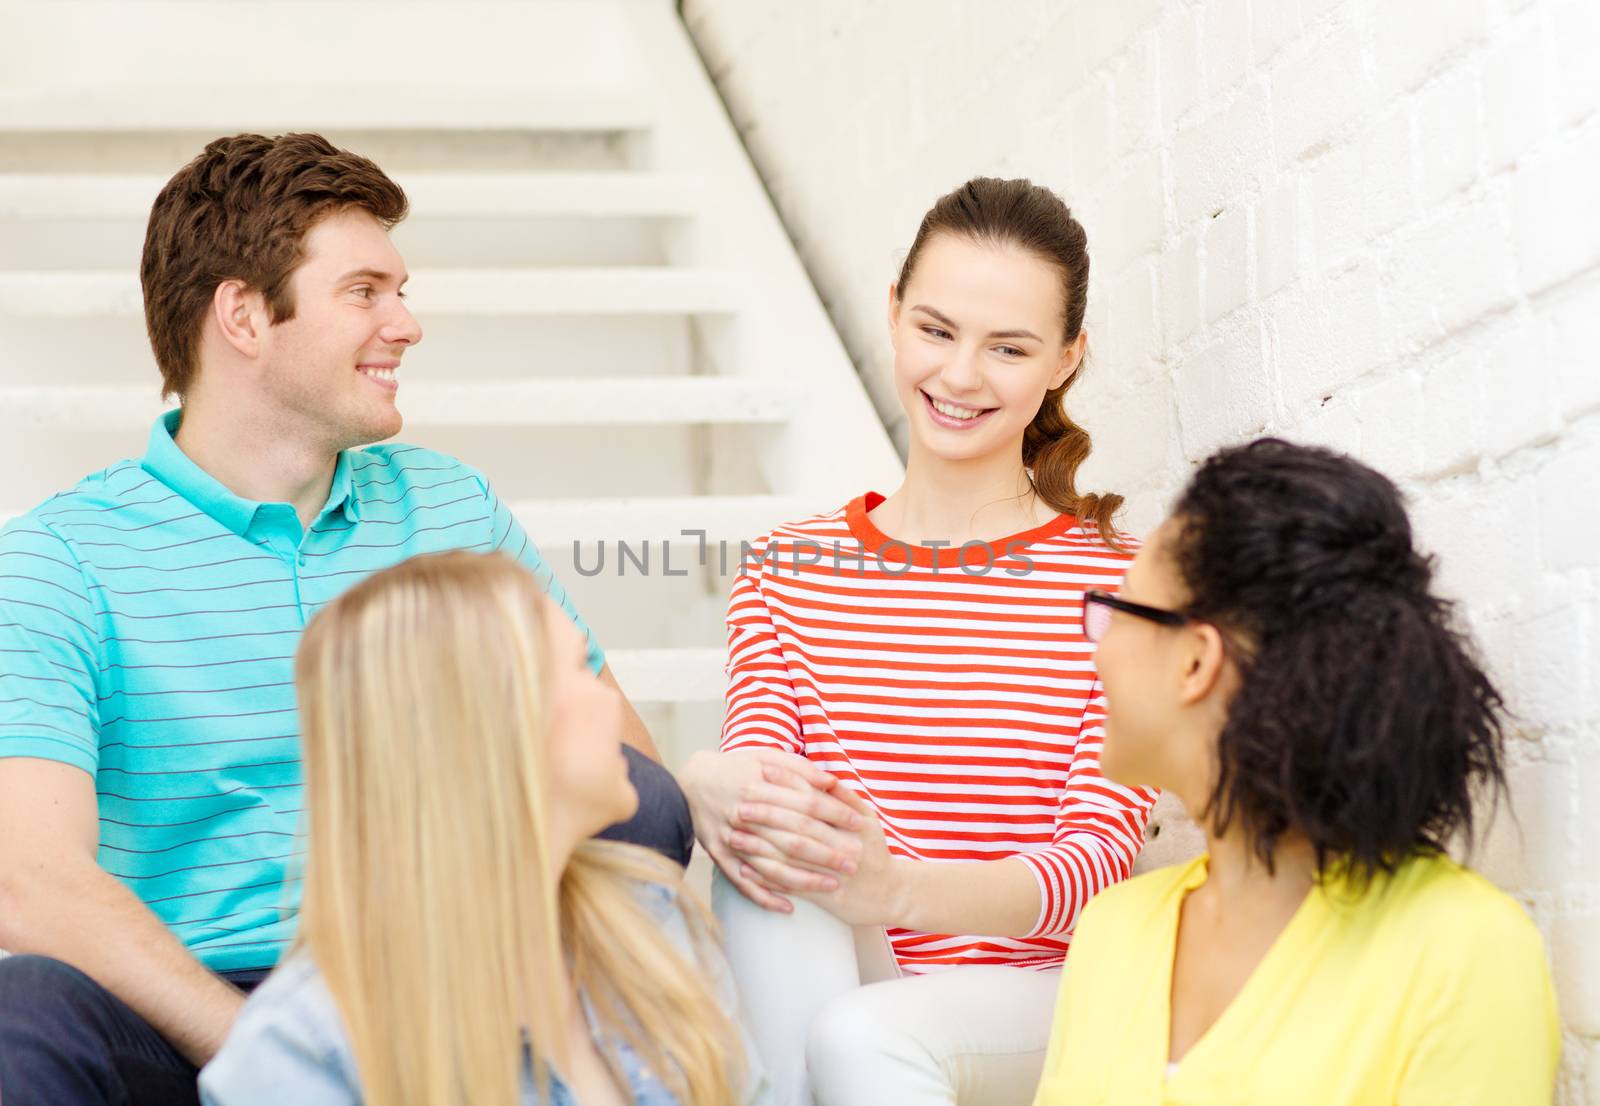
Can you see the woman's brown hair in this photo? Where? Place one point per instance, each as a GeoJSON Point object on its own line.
{"type": "Point", "coordinates": [1030, 217]}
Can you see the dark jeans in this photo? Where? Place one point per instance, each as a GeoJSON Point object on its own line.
{"type": "Point", "coordinates": [67, 1041]}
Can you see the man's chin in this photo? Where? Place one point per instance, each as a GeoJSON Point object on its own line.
{"type": "Point", "coordinates": [369, 431]}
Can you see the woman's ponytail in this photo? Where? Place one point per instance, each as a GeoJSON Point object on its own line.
{"type": "Point", "coordinates": [1053, 448]}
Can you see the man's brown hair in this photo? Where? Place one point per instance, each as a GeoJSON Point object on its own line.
{"type": "Point", "coordinates": [241, 211]}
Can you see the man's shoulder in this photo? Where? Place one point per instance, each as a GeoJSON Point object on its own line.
{"type": "Point", "coordinates": [120, 488]}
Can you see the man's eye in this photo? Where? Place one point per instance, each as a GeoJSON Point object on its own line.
{"type": "Point", "coordinates": [364, 291]}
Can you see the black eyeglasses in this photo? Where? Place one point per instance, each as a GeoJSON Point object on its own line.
{"type": "Point", "coordinates": [1097, 608]}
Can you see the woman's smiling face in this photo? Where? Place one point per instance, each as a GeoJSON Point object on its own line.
{"type": "Point", "coordinates": [977, 336]}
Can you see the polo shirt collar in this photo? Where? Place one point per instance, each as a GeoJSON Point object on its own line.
{"type": "Point", "coordinates": [169, 464]}
{"type": "Point", "coordinates": [342, 492]}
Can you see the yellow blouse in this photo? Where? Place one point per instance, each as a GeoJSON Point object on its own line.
{"type": "Point", "coordinates": [1432, 987]}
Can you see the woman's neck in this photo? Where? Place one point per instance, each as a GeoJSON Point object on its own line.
{"type": "Point", "coordinates": [980, 499]}
{"type": "Point", "coordinates": [1237, 875]}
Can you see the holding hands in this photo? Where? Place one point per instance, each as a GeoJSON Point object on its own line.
{"type": "Point", "coordinates": [777, 825]}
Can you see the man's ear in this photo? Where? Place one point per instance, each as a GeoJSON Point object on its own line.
{"type": "Point", "coordinates": [241, 316]}
{"type": "Point", "coordinates": [1071, 360]}
{"type": "Point", "coordinates": [1205, 663]}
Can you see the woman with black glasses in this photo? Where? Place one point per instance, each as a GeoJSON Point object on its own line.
{"type": "Point", "coordinates": [1276, 659]}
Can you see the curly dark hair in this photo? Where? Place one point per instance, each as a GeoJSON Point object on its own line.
{"type": "Point", "coordinates": [1363, 720]}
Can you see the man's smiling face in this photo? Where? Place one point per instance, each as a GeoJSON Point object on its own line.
{"type": "Point", "coordinates": [333, 365]}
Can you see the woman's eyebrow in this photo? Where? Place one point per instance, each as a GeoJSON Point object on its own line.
{"type": "Point", "coordinates": [939, 316]}
{"type": "Point", "coordinates": [1015, 334]}
{"type": "Point", "coordinates": [950, 324]}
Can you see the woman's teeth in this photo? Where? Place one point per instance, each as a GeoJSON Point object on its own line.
{"type": "Point", "coordinates": [953, 411]}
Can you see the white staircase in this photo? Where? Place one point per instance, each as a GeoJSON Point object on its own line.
{"type": "Point", "coordinates": [617, 328]}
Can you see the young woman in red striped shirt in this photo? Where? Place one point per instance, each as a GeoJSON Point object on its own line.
{"type": "Point", "coordinates": [908, 790]}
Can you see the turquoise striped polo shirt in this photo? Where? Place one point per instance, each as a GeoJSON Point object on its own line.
{"type": "Point", "coordinates": [148, 623]}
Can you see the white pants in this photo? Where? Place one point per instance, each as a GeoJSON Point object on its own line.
{"type": "Point", "coordinates": [829, 1034]}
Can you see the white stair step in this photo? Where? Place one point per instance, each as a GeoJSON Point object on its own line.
{"type": "Point", "coordinates": [598, 401]}
{"type": "Point", "coordinates": [456, 292]}
{"type": "Point", "coordinates": [26, 196]}
{"type": "Point", "coordinates": [295, 106]}
{"type": "Point", "coordinates": [670, 675]}
{"type": "Point", "coordinates": [662, 520]}
{"type": "Point", "coordinates": [554, 402]}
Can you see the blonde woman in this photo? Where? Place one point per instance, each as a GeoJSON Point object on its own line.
{"type": "Point", "coordinates": [463, 940]}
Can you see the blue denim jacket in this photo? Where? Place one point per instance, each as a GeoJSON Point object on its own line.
{"type": "Point", "coordinates": [289, 1044]}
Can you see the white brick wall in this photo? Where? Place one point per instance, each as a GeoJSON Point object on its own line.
{"type": "Point", "coordinates": [1367, 223]}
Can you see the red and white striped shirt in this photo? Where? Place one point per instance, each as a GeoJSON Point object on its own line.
{"type": "Point", "coordinates": [962, 703]}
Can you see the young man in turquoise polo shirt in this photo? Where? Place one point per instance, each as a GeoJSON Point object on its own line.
{"type": "Point", "coordinates": [150, 786]}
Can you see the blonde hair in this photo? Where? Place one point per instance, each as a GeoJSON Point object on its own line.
{"type": "Point", "coordinates": [430, 904]}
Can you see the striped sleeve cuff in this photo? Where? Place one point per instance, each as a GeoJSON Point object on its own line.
{"type": "Point", "coordinates": [1063, 888]}
{"type": "Point", "coordinates": [18, 743]}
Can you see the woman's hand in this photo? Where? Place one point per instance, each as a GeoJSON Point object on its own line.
{"type": "Point", "coordinates": [871, 892]}
{"type": "Point", "coordinates": [815, 833]}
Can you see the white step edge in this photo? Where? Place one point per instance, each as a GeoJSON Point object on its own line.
{"type": "Point", "coordinates": [685, 675]}
{"type": "Point", "coordinates": [77, 294]}
{"type": "Point", "coordinates": [616, 401]}
{"type": "Point", "coordinates": [658, 521]}
{"type": "Point", "coordinates": [290, 106]}
{"type": "Point", "coordinates": [489, 195]}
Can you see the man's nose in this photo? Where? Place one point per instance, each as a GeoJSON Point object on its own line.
{"type": "Point", "coordinates": [402, 328]}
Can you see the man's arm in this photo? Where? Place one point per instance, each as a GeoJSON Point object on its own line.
{"type": "Point", "coordinates": [56, 901]}
{"type": "Point", "coordinates": [634, 731]}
